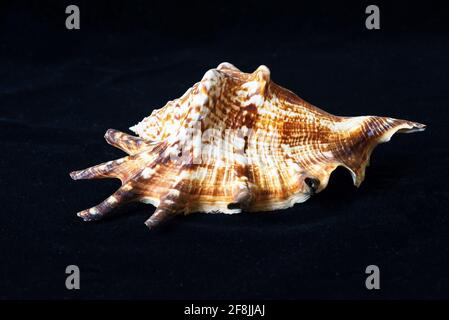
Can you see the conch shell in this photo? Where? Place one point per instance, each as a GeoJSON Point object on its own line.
{"type": "Point", "coordinates": [236, 141]}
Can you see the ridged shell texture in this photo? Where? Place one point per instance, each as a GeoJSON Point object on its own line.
{"type": "Point", "coordinates": [236, 141]}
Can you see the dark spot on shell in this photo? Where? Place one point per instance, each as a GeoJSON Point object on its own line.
{"type": "Point", "coordinates": [234, 205]}
{"type": "Point", "coordinates": [312, 183]}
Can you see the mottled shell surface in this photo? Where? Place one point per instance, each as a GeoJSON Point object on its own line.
{"type": "Point", "coordinates": [236, 141]}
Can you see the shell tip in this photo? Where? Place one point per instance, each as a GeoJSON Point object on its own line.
{"type": "Point", "coordinates": [73, 175]}
{"type": "Point", "coordinates": [150, 225]}
{"type": "Point", "coordinates": [418, 126]}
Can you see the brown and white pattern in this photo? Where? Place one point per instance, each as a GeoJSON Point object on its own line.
{"type": "Point", "coordinates": [236, 141]}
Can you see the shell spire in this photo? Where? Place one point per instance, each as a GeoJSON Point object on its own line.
{"type": "Point", "coordinates": [236, 141]}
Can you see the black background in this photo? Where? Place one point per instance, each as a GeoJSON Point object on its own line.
{"type": "Point", "coordinates": [60, 90]}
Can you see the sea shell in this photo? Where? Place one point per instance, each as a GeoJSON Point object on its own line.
{"type": "Point", "coordinates": [236, 141]}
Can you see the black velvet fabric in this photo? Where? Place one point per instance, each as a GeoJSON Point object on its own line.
{"type": "Point", "coordinates": [61, 90]}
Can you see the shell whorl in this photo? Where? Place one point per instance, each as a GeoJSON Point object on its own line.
{"type": "Point", "coordinates": [236, 141]}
